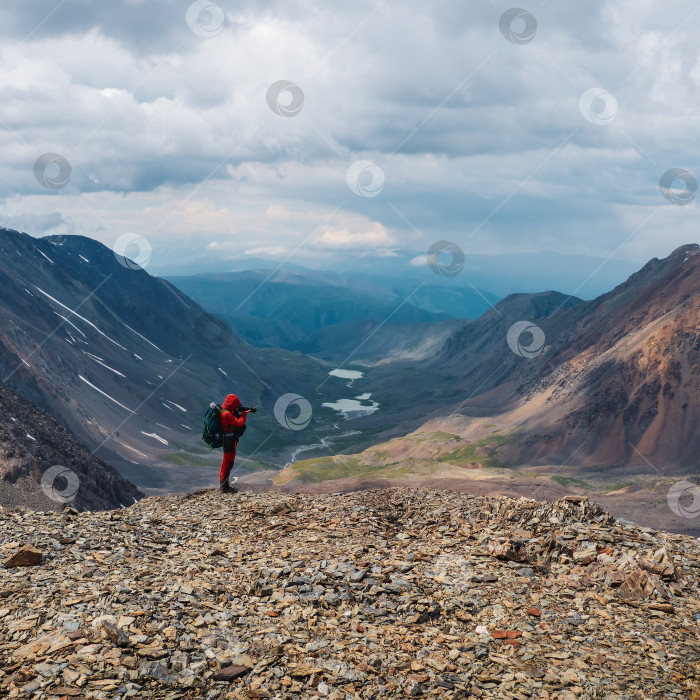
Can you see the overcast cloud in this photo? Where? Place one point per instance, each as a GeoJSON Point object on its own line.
{"type": "Point", "coordinates": [168, 132]}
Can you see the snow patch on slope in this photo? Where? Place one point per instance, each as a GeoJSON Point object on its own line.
{"type": "Point", "coordinates": [146, 339]}
{"type": "Point", "coordinates": [82, 318]}
{"type": "Point", "coordinates": [155, 437]}
{"type": "Point", "coordinates": [92, 386]}
{"type": "Point", "coordinates": [100, 361]}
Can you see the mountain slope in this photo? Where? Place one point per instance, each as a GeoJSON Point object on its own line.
{"type": "Point", "coordinates": [125, 361]}
{"type": "Point", "coordinates": [473, 370]}
{"type": "Point", "coordinates": [374, 342]}
{"type": "Point", "coordinates": [625, 387]}
{"type": "Point", "coordinates": [43, 467]}
{"type": "Point", "coordinates": [615, 383]}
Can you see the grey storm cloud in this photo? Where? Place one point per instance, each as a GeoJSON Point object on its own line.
{"type": "Point", "coordinates": [471, 131]}
{"type": "Point", "coordinates": [38, 224]}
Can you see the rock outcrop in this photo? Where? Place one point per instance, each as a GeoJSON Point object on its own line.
{"type": "Point", "coordinates": [42, 466]}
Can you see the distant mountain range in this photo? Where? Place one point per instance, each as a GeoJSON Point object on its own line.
{"type": "Point", "coordinates": [583, 276]}
{"type": "Point", "coordinates": [127, 363]}
{"type": "Point", "coordinates": [322, 313]}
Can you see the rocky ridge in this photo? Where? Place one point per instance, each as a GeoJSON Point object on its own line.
{"type": "Point", "coordinates": [43, 467]}
{"type": "Point", "coordinates": [381, 594]}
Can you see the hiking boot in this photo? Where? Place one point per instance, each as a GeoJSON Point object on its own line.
{"type": "Point", "coordinates": [224, 487]}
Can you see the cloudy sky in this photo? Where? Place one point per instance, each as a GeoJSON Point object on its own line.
{"type": "Point", "coordinates": [313, 129]}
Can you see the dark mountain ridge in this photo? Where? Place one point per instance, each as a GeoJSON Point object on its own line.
{"type": "Point", "coordinates": [125, 361]}
{"type": "Point", "coordinates": [43, 467]}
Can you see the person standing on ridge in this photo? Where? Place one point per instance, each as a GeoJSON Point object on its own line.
{"type": "Point", "coordinates": [233, 418]}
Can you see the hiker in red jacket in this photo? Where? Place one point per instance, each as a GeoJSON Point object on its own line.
{"type": "Point", "coordinates": [233, 424]}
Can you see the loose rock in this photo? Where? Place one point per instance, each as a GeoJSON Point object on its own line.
{"type": "Point", "coordinates": [27, 556]}
{"type": "Point", "coordinates": [179, 598]}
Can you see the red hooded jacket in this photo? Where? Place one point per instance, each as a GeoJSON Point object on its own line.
{"type": "Point", "coordinates": [228, 420]}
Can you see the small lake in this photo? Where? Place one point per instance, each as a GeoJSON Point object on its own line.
{"type": "Point", "coordinates": [354, 408]}
{"type": "Point", "coordinates": [350, 374]}
{"type": "Point", "coordinates": [358, 406]}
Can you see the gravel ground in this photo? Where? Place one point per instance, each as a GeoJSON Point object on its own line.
{"type": "Point", "coordinates": [393, 593]}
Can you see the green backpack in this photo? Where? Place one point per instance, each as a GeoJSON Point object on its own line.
{"type": "Point", "coordinates": [213, 433]}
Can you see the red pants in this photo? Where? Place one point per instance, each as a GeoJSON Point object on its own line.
{"type": "Point", "coordinates": [229, 459]}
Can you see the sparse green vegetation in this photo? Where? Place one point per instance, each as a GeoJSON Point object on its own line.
{"type": "Point", "coordinates": [482, 451]}
{"type": "Point", "coordinates": [185, 459]}
{"type": "Point", "coordinates": [441, 436]}
{"type": "Point", "coordinates": [194, 447]}
{"type": "Point", "coordinates": [380, 454]}
{"type": "Point", "coordinates": [571, 481]}
{"type": "Point", "coordinates": [311, 471]}
{"type": "Point", "coordinates": [618, 487]}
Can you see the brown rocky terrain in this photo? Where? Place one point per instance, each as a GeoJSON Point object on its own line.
{"type": "Point", "coordinates": [42, 466]}
{"type": "Point", "coordinates": [610, 407]}
{"type": "Point", "coordinates": [625, 388]}
{"type": "Point", "coordinates": [379, 594]}
{"type": "Point", "coordinates": [614, 383]}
